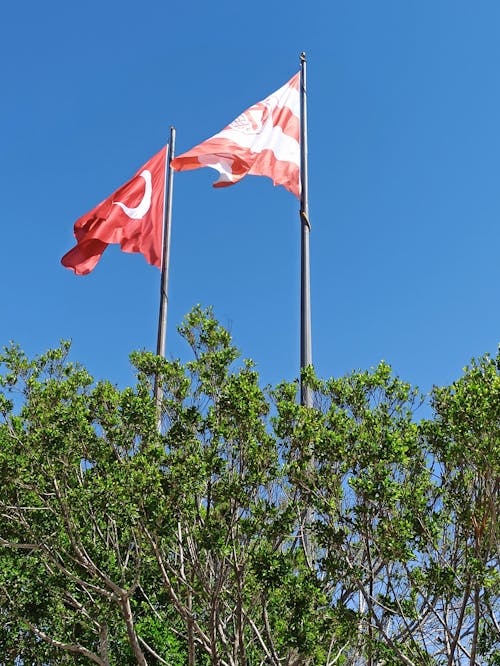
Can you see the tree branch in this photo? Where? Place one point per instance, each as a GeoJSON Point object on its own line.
{"type": "Point", "coordinates": [73, 648]}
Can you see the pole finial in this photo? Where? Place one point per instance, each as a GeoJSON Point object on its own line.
{"type": "Point", "coordinates": [303, 56]}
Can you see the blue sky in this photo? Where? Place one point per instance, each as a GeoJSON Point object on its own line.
{"type": "Point", "coordinates": [404, 152]}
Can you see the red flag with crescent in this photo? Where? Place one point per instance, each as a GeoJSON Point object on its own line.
{"type": "Point", "coordinates": [131, 217]}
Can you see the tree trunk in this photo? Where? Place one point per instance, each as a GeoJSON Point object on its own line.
{"type": "Point", "coordinates": [103, 643]}
{"type": "Point", "coordinates": [132, 636]}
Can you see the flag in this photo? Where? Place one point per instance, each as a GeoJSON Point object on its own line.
{"type": "Point", "coordinates": [262, 141]}
{"type": "Point", "coordinates": [132, 216]}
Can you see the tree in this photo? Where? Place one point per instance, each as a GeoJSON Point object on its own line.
{"type": "Point", "coordinates": [77, 466]}
{"type": "Point", "coordinates": [251, 530]}
{"type": "Point", "coordinates": [463, 574]}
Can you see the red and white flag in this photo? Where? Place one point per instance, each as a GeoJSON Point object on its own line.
{"type": "Point", "coordinates": [132, 216]}
{"type": "Point", "coordinates": [262, 141]}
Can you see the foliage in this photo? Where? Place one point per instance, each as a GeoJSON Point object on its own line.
{"type": "Point", "coordinates": [248, 530]}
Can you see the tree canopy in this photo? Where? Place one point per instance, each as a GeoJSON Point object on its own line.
{"type": "Point", "coordinates": [247, 530]}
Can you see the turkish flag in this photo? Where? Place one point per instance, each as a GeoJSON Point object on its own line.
{"type": "Point", "coordinates": [132, 216]}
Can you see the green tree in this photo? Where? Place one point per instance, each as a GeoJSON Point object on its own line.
{"type": "Point", "coordinates": [463, 574]}
{"type": "Point", "coordinates": [251, 530]}
{"type": "Point", "coordinates": [78, 469]}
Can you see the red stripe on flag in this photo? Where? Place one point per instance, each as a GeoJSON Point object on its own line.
{"type": "Point", "coordinates": [281, 173]}
{"type": "Point", "coordinates": [288, 121]}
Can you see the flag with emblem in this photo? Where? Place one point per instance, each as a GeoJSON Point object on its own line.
{"type": "Point", "coordinates": [262, 141]}
{"type": "Point", "coordinates": [131, 217]}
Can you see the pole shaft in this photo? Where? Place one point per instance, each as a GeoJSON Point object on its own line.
{"type": "Point", "coordinates": [169, 180]}
{"type": "Point", "coordinates": [165, 261]}
{"type": "Point", "coordinates": [305, 284]}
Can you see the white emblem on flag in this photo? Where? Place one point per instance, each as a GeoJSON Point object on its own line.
{"type": "Point", "coordinates": [139, 211]}
{"type": "Point", "coordinates": [251, 120]}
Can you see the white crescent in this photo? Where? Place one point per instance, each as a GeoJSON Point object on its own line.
{"type": "Point", "coordinates": [139, 211]}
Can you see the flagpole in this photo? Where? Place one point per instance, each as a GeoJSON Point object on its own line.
{"type": "Point", "coordinates": [165, 262]}
{"type": "Point", "coordinates": [305, 288]}
{"type": "Point", "coordinates": [305, 285]}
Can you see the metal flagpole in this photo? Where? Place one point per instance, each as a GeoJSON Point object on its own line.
{"type": "Point", "coordinates": [165, 261]}
{"type": "Point", "coordinates": [305, 286]}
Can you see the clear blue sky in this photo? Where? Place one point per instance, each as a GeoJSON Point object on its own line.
{"type": "Point", "coordinates": [404, 148]}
